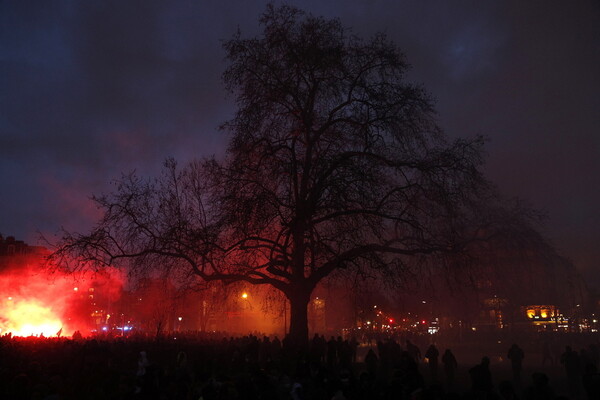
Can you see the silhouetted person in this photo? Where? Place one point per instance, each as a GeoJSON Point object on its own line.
{"type": "Point", "coordinates": [394, 352]}
{"type": "Point", "coordinates": [516, 355]}
{"type": "Point", "coordinates": [315, 348]}
{"type": "Point", "coordinates": [275, 352]}
{"type": "Point", "coordinates": [540, 390]}
{"type": "Point", "coordinates": [450, 366]}
{"type": "Point", "coordinates": [331, 352]}
{"type": "Point", "coordinates": [594, 352]}
{"type": "Point", "coordinates": [371, 363]}
{"type": "Point", "coordinates": [264, 352]}
{"type": "Point", "coordinates": [547, 354]}
{"type": "Point", "coordinates": [481, 378]}
{"type": "Point", "coordinates": [412, 379]}
{"type": "Point", "coordinates": [353, 346]}
{"type": "Point", "coordinates": [413, 351]}
{"type": "Point", "coordinates": [591, 381]}
{"type": "Point", "coordinates": [570, 360]}
{"type": "Point", "coordinates": [385, 359]}
{"type": "Point", "coordinates": [339, 347]}
{"type": "Point", "coordinates": [432, 355]}
{"type": "Point", "coordinates": [142, 364]}
{"type": "Point", "coordinates": [182, 377]}
{"type": "Point", "coordinates": [366, 386]}
{"type": "Point", "coordinates": [507, 391]}
{"type": "Point", "coordinates": [344, 354]}
{"type": "Point", "coordinates": [142, 374]}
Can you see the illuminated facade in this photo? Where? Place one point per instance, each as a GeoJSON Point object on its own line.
{"type": "Point", "coordinates": [541, 312]}
{"type": "Point", "coordinates": [545, 316]}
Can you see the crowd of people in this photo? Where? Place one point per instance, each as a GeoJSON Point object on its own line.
{"type": "Point", "coordinates": [202, 366]}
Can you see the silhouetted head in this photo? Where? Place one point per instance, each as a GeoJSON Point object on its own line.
{"type": "Point", "coordinates": [485, 361]}
{"type": "Point", "coordinates": [539, 379]}
{"type": "Point", "coordinates": [181, 358]}
{"type": "Point", "coordinates": [590, 368]}
{"type": "Point", "coordinates": [506, 389]}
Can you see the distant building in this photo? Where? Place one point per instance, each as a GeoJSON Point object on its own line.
{"type": "Point", "coordinates": [10, 246]}
{"type": "Point", "coordinates": [17, 253]}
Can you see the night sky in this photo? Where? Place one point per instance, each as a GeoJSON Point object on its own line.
{"type": "Point", "coordinates": [92, 89]}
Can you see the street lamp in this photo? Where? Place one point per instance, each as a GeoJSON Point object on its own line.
{"type": "Point", "coordinates": [246, 301]}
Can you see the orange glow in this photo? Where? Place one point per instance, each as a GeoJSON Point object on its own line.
{"type": "Point", "coordinates": [27, 318]}
{"type": "Point", "coordinates": [36, 301]}
{"type": "Point", "coordinates": [244, 295]}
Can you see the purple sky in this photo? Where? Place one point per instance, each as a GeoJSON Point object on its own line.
{"type": "Point", "coordinates": [90, 89]}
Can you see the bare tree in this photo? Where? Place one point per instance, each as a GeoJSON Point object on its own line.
{"type": "Point", "coordinates": [334, 163]}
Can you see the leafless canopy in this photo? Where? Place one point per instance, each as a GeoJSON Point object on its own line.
{"type": "Point", "coordinates": [334, 162]}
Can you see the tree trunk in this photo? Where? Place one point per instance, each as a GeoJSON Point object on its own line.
{"type": "Point", "coordinates": [298, 333]}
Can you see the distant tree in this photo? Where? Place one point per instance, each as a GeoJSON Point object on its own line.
{"type": "Point", "coordinates": [334, 163]}
{"type": "Point", "coordinates": [519, 264]}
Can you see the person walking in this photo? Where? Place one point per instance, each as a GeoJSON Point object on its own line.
{"type": "Point", "coordinates": [413, 351]}
{"type": "Point", "coordinates": [570, 360]}
{"type": "Point", "coordinates": [481, 379]}
{"type": "Point", "coordinates": [450, 367]}
{"type": "Point", "coordinates": [516, 356]}
{"type": "Point", "coordinates": [432, 355]}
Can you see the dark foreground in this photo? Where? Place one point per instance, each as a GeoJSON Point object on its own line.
{"type": "Point", "coordinates": [196, 366]}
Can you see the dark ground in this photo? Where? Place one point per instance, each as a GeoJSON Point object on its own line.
{"type": "Point", "coordinates": [197, 367]}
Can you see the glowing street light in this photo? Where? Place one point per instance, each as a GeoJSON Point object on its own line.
{"type": "Point", "coordinates": [244, 295]}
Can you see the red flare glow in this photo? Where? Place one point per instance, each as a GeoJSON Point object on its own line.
{"type": "Point", "coordinates": [37, 301]}
{"type": "Point", "coordinates": [29, 318]}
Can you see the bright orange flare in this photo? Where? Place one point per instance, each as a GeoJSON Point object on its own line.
{"type": "Point", "coordinates": [27, 318]}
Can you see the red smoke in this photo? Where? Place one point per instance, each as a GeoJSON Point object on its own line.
{"type": "Point", "coordinates": [37, 302]}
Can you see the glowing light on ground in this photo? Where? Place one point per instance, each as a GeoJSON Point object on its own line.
{"type": "Point", "coordinates": [29, 318]}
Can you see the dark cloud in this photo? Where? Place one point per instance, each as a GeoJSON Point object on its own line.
{"type": "Point", "coordinates": [92, 89]}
